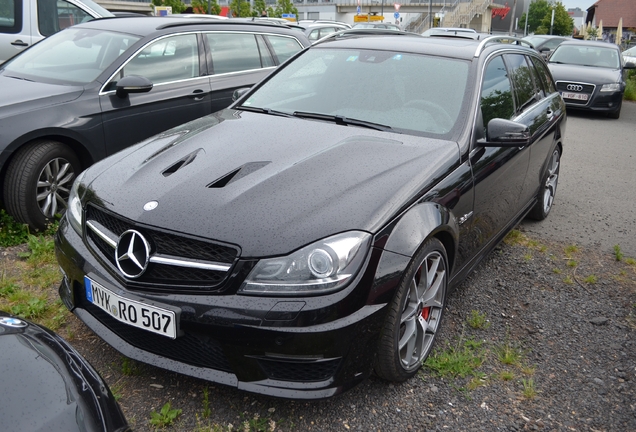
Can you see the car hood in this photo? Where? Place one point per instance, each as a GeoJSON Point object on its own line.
{"type": "Point", "coordinates": [48, 386]}
{"type": "Point", "coordinates": [20, 96]}
{"type": "Point", "coordinates": [269, 184]}
{"type": "Point", "coordinates": [584, 74]}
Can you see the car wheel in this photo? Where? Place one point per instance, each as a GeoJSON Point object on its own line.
{"type": "Point", "coordinates": [414, 315]}
{"type": "Point", "coordinates": [617, 113]}
{"type": "Point", "coordinates": [38, 182]}
{"type": "Point", "coordinates": [548, 188]}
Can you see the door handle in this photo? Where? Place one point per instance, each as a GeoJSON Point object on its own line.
{"type": "Point", "coordinates": [197, 95]}
{"type": "Point", "coordinates": [18, 42]}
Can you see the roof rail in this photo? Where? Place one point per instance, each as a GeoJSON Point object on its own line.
{"type": "Point", "coordinates": [217, 22]}
{"type": "Point", "coordinates": [500, 39]}
{"type": "Point", "coordinates": [365, 32]}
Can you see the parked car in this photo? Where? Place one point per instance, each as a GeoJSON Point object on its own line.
{"type": "Point", "coordinates": [546, 44]}
{"type": "Point", "coordinates": [315, 32]}
{"type": "Point", "coordinates": [25, 22]}
{"type": "Point", "coordinates": [307, 23]}
{"type": "Point", "coordinates": [96, 88]}
{"type": "Point", "coordinates": [376, 25]}
{"type": "Point", "coordinates": [49, 386]}
{"type": "Point", "coordinates": [590, 76]}
{"type": "Point", "coordinates": [455, 31]}
{"type": "Point", "coordinates": [629, 55]}
{"type": "Point", "coordinates": [311, 232]}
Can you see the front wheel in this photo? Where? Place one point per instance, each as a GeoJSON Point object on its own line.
{"type": "Point", "coordinates": [38, 182]}
{"type": "Point", "coordinates": [548, 188]}
{"type": "Point", "coordinates": [414, 315]}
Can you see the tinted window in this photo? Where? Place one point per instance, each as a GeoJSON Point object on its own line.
{"type": "Point", "coordinates": [169, 59]}
{"type": "Point", "coordinates": [233, 52]}
{"type": "Point", "coordinates": [522, 80]}
{"type": "Point", "coordinates": [496, 92]}
{"type": "Point", "coordinates": [10, 16]}
{"type": "Point", "coordinates": [544, 75]}
{"type": "Point", "coordinates": [56, 15]}
{"type": "Point", "coordinates": [284, 47]}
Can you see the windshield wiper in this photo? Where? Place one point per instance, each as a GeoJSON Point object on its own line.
{"type": "Point", "coordinates": [264, 111]}
{"type": "Point", "coordinates": [342, 120]}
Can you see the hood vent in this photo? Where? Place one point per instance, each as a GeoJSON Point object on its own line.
{"type": "Point", "coordinates": [181, 163]}
{"type": "Point", "coordinates": [237, 174]}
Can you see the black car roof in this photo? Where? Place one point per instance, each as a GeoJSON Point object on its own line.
{"type": "Point", "coordinates": [461, 48]}
{"type": "Point", "coordinates": [144, 26]}
{"type": "Point", "coordinates": [597, 44]}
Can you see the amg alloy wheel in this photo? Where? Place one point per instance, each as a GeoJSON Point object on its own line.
{"type": "Point", "coordinates": [415, 314]}
{"type": "Point", "coordinates": [548, 190]}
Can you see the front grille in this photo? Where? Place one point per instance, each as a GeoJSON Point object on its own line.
{"type": "Point", "coordinates": [300, 371]}
{"type": "Point", "coordinates": [160, 275]}
{"type": "Point", "coordinates": [562, 86]}
{"type": "Point", "coordinates": [191, 348]}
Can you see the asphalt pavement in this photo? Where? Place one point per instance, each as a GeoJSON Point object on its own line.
{"type": "Point", "coordinates": [595, 200]}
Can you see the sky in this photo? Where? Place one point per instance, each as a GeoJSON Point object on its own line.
{"type": "Point", "coordinates": [583, 4]}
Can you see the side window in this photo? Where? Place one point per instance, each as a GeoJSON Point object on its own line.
{"type": "Point", "coordinates": [284, 47]}
{"type": "Point", "coordinates": [552, 44]}
{"type": "Point", "coordinates": [496, 92]}
{"type": "Point", "coordinates": [169, 59]}
{"type": "Point", "coordinates": [233, 52]}
{"type": "Point", "coordinates": [522, 80]}
{"type": "Point", "coordinates": [544, 76]}
{"type": "Point", "coordinates": [266, 56]}
{"type": "Point", "coordinates": [314, 35]}
{"type": "Point", "coordinates": [10, 16]}
{"type": "Point", "coordinates": [56, 15]}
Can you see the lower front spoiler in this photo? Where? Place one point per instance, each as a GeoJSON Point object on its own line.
{"type": "Point", "coordinates": [266, 387]}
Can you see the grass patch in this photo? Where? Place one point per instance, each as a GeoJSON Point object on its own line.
{"type": "Point", "coordinates": [478, 320]}
{"type": "Point", "coordinates": [618, 254]}
{"type": "Point", "coordinates": [591, 279]}
{"type": "Point", "coordinates": [568, 280]}
{"type": "Point", "coordinates": [165, 417]}
{"type": "Point", "coordinates": [129, 367]}
{"type": "Point", "coordinates": [556, 270]}
{"type": "Point", "coordinates": [11, 232]}
{"type": "Point", "coordinates": [206, 403]}
{"type": "Point", "coordinates": [508, 354]}
{"type": "Point", "coordinates": [570, 250]}
{"type": "Point", "coordinates": [630, 89]}
{"type": "Point", "coordinates": [572, 263]}
{"type": "Point", "coordinates": [506, 375]}
{"type": "Point", "coordinates": [529, 390]}
{"type": "Point", "coordinates": [461, 360]}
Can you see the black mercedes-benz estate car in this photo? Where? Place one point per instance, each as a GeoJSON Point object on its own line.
{"type": "Point", "coordinates": [311, 232]}
{"type": "Point", "coordinates": [93, 89]}
{"type": "Point", "coordinates": [590, 76]}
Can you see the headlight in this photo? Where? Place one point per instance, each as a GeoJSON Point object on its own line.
{"type": "Point", "coordinates": [610, 87]}
{"type": "Point", "coordinates": [322, 267]}
{"type": "Point", "coordinates": [74, 212]}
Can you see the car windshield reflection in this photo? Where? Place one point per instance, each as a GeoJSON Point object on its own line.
{"type": "Point", "coordinates": [407, 93]}
{"type": "Point", "coordinates": [586, 56]}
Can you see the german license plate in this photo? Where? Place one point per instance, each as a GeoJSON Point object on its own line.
{"type": "Point", "coordinates": [577, 96]}
{"type": "Point", "coordinates": [132, 312]}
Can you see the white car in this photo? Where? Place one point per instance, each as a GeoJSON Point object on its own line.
{"type": "Point", "coordinates": [629, 55]}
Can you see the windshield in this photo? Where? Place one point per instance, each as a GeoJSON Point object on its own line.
{"type": "Point", "coordinates": [534, 40]}
{"type": "Point", "coordinates": [407, 93]}
{"type": "Point", "coordinates": [630, 52]}
{"type": "Point", "coordinates": [72, 56]}
{"type": "Point", "coordinates": [586, 56]}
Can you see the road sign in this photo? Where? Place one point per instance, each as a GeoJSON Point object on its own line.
{"type": "Point", "coordinates": [397, 6]}
{"type": "Point", "coordinates": [396, 15]}
{"type": "Point", "coordinates": [358, 9]}
{"type": "Point", "coordinates": [288, 16]}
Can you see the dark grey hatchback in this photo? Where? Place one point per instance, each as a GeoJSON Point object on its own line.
{"type": "Point", "coordinates": [310, 233]}
{"type": "Point", "coordinates": [96, 88]}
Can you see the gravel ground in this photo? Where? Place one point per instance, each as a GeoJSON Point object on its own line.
{"type": "Point", "coordinates": [574, 337]}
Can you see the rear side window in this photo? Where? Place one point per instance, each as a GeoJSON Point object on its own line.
{"type": "Point", "coordinates": [10, 16]}
{"type": "Point", "coordinates": [496, 92]}
{"type": "Point", "coordinates": [284, 47]}
{"type": "Point", "coordinates": [56, 15]}
{"type": "Point", "coordinates": [522, 80]}
{"type": "Point", "coordinates": [233, 52]}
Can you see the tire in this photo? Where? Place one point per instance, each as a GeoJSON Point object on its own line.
{"type": "Point", "coordinates": [414, 315]}
{"type": "Point", "coordinates": [38, 182]}
{"type": "Point", "coordinates": [617, 113]}
{"type": "Point", "coordinates": [545, 198]}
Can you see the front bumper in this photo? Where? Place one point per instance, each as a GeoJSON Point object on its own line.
{"type": "Point", "coordinates": [598, 102]}
{"type": "Point", "coordinates": [301, 348]}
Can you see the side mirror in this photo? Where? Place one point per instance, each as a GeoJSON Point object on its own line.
{"type": "Point", "coordinates": [133, 84]}
{"type": "Point", "coordinates": [238, 93]}
{"type": "Point", "coordinates": [630, 65]}
{"type": "Point", "coordinates": [505, 133]}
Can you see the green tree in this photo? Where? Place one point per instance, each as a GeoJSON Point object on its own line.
{"type": "Point", "coordinates": [563, 24]}
{"type": "Point", "coordinates": [241, 8]}
{"type": "Point", "coordinates": [285, 7]}
{"type": "Point", "coordinates": [177, 5]}
{"type": "Point", "coordinates": [201, 6]}
{"type": "Point", "coordinates": [259, 7]}
{"type": "Point", "coordinates": [537, 11]}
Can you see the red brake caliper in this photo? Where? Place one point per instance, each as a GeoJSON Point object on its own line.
{"type": "Point", "coordinates": [425, 312]}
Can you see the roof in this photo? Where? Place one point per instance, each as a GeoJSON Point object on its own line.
{"type": "Point", "coordinates": [598, 44]}
{"type": "Point", "coordinates": [611, 11]}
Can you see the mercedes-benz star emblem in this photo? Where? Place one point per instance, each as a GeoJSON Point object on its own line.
{"type": "Point", "coordinates": [132, 254]}
{"type": "Point", "coordinates": [575, 87]}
